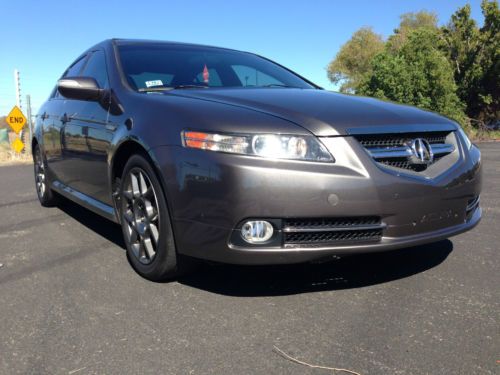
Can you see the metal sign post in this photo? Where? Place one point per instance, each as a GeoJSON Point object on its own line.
{"type": "Point", "coordinates": [28, 112]}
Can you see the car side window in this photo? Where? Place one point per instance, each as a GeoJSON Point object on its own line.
{"type": "Point", "coordinates": [73, 71]}
{"type": "Point", "coordinates": [96, 68]}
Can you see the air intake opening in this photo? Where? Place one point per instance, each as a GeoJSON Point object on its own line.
{"type": "Point", "coordinates": [319, 232]}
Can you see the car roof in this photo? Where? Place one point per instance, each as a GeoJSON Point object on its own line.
{"type": "Point", "coordinates": [119, 41]}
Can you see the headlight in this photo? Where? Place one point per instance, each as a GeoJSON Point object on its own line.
{"type": "Point", "coordinates": [303, 147]}
{"type": "Point", "coordinates": [466, 139]}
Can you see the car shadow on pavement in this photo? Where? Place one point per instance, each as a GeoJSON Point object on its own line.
{"type": "Point", "coordinates": [245, 281]}
{"type": "Point", "coordinates": [349, 272]}
{"type": "Point", "coordinates": [103, 227]}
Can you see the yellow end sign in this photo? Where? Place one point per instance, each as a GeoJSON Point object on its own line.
{"type": "Point", "coordinates": [16, 119]}
{"type": "Point", "coordinates": [17, 145]}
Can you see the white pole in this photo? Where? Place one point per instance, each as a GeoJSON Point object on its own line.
{"type": "Point", "coordinates": [18, 103]}
{"type": "Point", "coordinates": [18, 88]}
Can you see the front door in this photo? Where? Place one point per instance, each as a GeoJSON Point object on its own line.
{"type": "Point", "coordinates": [54, 123]}
{"type": "Point", "coordinates": [87, 136]}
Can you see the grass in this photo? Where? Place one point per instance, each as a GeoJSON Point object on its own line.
{"type": "Point", "coordinates": [9, 156]}
{"type": "Point", "coordinates": [477, 135]}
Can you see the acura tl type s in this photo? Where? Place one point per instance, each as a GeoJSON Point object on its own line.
{"type": "Point", "coordinates": [211, 153]}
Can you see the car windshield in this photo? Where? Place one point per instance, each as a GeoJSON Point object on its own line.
{"type": "Point", "coordinates": [156, 67]}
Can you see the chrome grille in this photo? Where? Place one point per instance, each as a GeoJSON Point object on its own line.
{"type": "Point", "coordinates": [393, 140]}
{"type": "Point", "coordinates": [395, 150]}
{"type": "Point", "coordinates": [331, 231]}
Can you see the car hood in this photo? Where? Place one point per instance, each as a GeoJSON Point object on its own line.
{"type": "Point", "coordinates": [324, 113]}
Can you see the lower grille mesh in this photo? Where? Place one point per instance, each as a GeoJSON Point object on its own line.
{"type": "Point", "coordinates": [331, 222]}
{"type": "Point", "coordinates": [328, 237]}
{"type": "Point", "coordinates": [331, 231]}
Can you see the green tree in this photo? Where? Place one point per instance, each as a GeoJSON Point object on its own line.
{"type": "Point", "coordinates": [475, 55]}
{"type": "Point", "coordinates": [417, 73]}
{"type": "Point", "coordinates": [409, 22]}
{"type": "Point", "coordinates": [353, 61]}
{"type": "Point", "coordinates": [489, 59]}
{"type": "Point", "coordinates": [454, 69]}
{"type": "Point", "coordinates": [416, 20]}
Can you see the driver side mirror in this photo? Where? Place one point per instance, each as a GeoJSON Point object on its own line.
{"type": "Point", "coordinates": [80, 88]}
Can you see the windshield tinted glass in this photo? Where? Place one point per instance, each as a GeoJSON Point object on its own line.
{"type": "Point", "coordinates": [155, 66]}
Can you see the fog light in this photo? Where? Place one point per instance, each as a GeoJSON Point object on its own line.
{"type": "Point", "coordinates": [256, 231]}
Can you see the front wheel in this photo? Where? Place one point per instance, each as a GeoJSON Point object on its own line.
{"type": "Point", "coordinates": [145, 221]}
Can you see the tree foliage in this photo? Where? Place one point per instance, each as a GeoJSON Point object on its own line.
{"type": "Point", "coordinates": [418, 73]}
{"type": "Point", "coordinates": [410, 22]}
{"type": "Point", "coordinates": [416, 20]}
{"type": "Point", "coordinates": [353, 61]}
{"type": "Point", "coordinates": [453, 69]}
{"type": "Point", "coordinates": [475, 54]}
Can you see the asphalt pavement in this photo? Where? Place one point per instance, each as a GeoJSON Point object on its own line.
{"type": "Point", "coordinates": [71, 304]}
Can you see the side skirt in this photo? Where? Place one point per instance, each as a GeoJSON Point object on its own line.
{"type": "Point", "coordinates": [84, 200]}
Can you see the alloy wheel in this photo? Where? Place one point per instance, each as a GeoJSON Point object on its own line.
{"type": "Point", "coordinates": [39, 174]}
{"type": "Point", "coordinates": [140, 215]}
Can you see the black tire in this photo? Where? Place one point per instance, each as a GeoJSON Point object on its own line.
{"type": "Point", "coordinates": [146, 225]}
{"type": "Point", "coordinates": [45, 194]}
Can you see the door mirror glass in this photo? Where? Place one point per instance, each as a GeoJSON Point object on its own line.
{"type": "Point", "coordinates": [80, 88]}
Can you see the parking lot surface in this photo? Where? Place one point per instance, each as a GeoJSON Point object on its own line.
{"type": "Point", "coordinates": [71, 304]}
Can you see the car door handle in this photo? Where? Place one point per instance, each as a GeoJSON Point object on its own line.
{"type": "Point", "coordinates": [64, 118]}
{"type": "Point", "coordinates": [111, 127]}
{"type": "Point", "coordinates": [44, 116]}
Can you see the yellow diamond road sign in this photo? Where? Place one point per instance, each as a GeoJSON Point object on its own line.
{"type": "Point", "coordinates": [17, 145]}
{"type": "Point", "coordinates": [16, 119]}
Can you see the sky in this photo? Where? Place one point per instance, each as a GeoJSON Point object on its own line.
{"type": "Point", "coordinates": [41, 38]}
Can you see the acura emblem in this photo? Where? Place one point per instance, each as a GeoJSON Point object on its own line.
{"type": "Point", "coordinates": [422, 151]}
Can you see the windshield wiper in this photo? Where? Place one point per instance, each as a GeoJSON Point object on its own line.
{"type": "Point", "coordinates": [153, 89]}
{"type": "Point", "coordinates": [184, 87]}
{"type": "Point", "coordinates": [190, 87]}
{"type": "Point", "coordinates": [168, 88]}
{"type": "Point", "coordinates": [278, 85]}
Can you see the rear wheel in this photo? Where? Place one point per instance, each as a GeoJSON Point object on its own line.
{"type": "Point", "coordinates": [45, 194]}
{"type": "Point", "coordinates": [145, 221]}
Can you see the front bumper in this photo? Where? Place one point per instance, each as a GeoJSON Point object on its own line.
{"type": "Point", "coordinates": [209, 193]}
